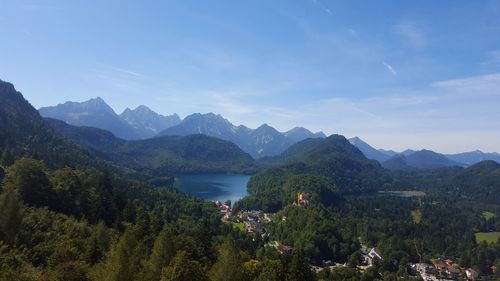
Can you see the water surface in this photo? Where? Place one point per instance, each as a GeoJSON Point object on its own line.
{"type": "Point", "coordinates": [220, 187]}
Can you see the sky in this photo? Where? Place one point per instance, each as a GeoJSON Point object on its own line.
{"type": "Point", "coordinates": [398, 74]}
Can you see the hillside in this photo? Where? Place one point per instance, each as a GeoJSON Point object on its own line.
{"type": "Point", "coordinates": [163, 155]}
{"type": "Point", "coordinates": [24, 133]}
{"type": "Point", "coordinates": [336, 158]}
{"type": "Point", "coordinates": [368, 150]}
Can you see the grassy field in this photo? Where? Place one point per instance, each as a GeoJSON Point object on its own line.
{"type": "Point", "coordinates": [415, 193]}
{"type": "Point", "coordinates": [238, 225]}
{"type": "Point", "coordinates": [489, 237]}
{"type": "Point", "coordinates": [488, 215]}
{"type": "Point", "coordinates": [416, 216]}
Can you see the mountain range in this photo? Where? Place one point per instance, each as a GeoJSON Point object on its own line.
{"type": "Point", "coordinates": [422, 159]}
{"type": "Point", "coordinates": [143, 123]}
{"type": "Point", "coordinates": [260, 142]}
{"type": "Point", "coordinates": [24, 133]}
{"type": "Point", "coordinates": [140, 123]}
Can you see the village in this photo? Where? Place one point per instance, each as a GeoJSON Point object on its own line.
{"type": "Point", "coordinates": [445, 269]}
{"type": "Point", "coordinates": [253, 222]}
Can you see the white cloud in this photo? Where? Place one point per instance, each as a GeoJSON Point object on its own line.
{"type": "Point", "coordinates": [390, 68]}
{"type": "Point", "coordinates": [484, 85]}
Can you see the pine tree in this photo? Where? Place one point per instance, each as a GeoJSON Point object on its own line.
{"type": "Point", "coordinates": [11, 215]}
{"type": "Point", "coordinates": [184, 269]}
{"type": "Point", "coordinates": [98, 245]}
{"type": "Point", "coordinates": [123, 261]}
{"type": "Point", "coordinates": [161, 256]}
{"type": "Point", "coordinates": [29, 178]}
{"type": "Point", "coordinates": [7, 158]}
{"type": "Point", "coordinates": [229, 264]}
{"type": "Point", "coordinates": [297, 268]}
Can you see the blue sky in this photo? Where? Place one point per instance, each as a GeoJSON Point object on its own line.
{"type": "Point", "coordinates": [399, 74]}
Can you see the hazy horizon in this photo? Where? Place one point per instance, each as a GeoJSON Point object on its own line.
{"type": "Point", "coordinates": [398, 75]}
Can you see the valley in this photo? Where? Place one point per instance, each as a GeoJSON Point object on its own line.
{"type": "Point", "coordinates": [315, 211]}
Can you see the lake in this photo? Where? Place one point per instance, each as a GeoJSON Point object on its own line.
{"type": "Point", "coordinates": [220, 187]}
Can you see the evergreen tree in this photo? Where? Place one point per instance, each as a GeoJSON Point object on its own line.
{"type": "Point", "coordinates": [29, 178]}
{"type": "Point", "coordinates": [7, 158]}
{"type": "Point", "coordinates": [184, 269]}
{"type": "Point", "coordinates": [123, 261]}
{"type": "Point", "coordinates": [99, 243]}
{"type": "Point", "coordinates": [68, 187]}
{"type": "Point", "coordinates": [11, 216]}
{"type": "Point", "coordinates": [161, 256]}
{"type": "Point", "coordinates": [297, 268]}
{"type": "Point", "coordinates": [272, 271]}
{"type": "Point", "coordinates": [229, 264]}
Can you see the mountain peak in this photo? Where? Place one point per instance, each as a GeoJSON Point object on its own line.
{"type": "Point", "coordinates": [143, 108]}
{"type": "Point", "coordinates": [300, 133]}
{"type": "Point", "coordinates": [368, 150]}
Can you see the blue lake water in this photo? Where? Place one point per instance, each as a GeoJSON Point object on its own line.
{"type": "Point", "coordinates": [220, 187]}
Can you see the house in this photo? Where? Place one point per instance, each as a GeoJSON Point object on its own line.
{"type": "Point", "coordinates": [371, 257]}
{"type": "Point", "coordinates": [303, 199]}
{"type": "Point", "coordinates": [440, 266]}
{"type": "Point", "coordinates": [268, 217]}
{"type": "Point", "coordinates": [453, 271]}
{"type": "Point", "coordinates": [471, 274]}
{"type": "Point", "coordinates": [252, 227]}
{"type": "Point", "coordinates": [448, 261]}
{"type": "Point", "coordinates": [374, 255]}
{"type": "Point", "coordinates": [229, 216]}
{"type": "Point", "coordinates": [284, 249]}
{"type": "Point", "coordinates": [222, 207]}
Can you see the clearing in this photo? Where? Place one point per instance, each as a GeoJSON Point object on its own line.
{"type": "Point", "coordinates": [489, 237]}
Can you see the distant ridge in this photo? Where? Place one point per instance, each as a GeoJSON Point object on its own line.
{"type": "Point", "coordinates": [262, 141]}
{"type": "Point", "coordinates": [423, 159]}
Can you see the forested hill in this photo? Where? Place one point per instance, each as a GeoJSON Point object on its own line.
{"type": "Point", "coordinates": [24, 133]}
{"type": "Point", "coordinates": [163, 155]}
{"type": "Point", "coordinates": [334, 157]}
{"type": "Point", "coordinates": [479, 182]}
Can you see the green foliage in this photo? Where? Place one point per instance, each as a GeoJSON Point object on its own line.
{"type": "Point", "coordinates": [11, 215]}
{"type": "Point", "coordinates": [182, 268]}
{"type": "Point", "coordinates": [28, 177]}
{"type": "Point", "coordinates": [313, 231]}
{"type": "Point", "coordinates": [163, 252]}
{"type": "Point", "coordinates": [273, 189]}
{"type": "Point", "coordinates": [229, 264]}
{"type": "Point", "coordinates": [123, 261]}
